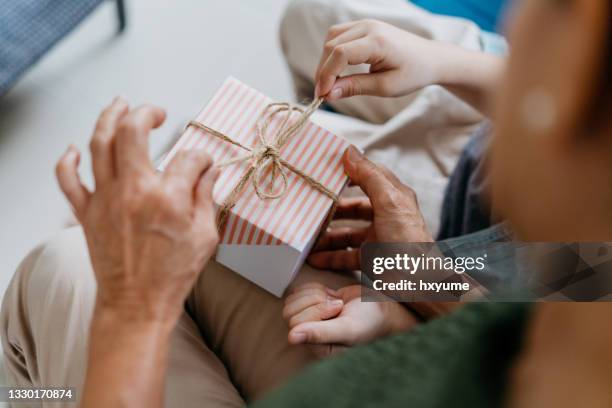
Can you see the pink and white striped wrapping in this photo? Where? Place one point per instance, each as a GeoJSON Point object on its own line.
{"type": "Point", "coordinates": [266, 241]}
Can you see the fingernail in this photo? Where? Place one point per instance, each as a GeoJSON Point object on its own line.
{"type": "Point", "coordinates": [317, 91]}
{"type": "Point", "coordinates": [335, 93]}
{"type": "Point", "coordinates": [297, 337]}
{"type": "Point", "coordinates": [353, 155]}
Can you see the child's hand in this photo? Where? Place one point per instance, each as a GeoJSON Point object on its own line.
{"type": "Point", "coordinates": [319, 315]}
{"type": "Point", "coordinates": [400, 62]}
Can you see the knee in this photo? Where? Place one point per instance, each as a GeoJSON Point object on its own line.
{"type": "Point", "coordinates": [64, 261]}
{"type": "Point", "coordinates": [53, 289]}
{"type": "Point", "coordinates": [56, 272]}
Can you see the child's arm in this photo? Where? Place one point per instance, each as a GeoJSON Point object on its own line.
{"type": "Point", "coordinates": [401, 63]}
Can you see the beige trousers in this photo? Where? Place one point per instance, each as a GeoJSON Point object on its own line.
{"type": "Point", "coordinates": [230, 344]}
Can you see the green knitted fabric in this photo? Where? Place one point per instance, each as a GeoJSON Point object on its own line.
{"type": "Point", "coordinates": [457, 361]}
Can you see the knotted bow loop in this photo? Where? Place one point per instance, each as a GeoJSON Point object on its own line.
{"type": "Point", "coordinates": [265, 158]}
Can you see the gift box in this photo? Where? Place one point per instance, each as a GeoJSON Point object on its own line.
{"type": "Point", "coordinates": [273, 198]}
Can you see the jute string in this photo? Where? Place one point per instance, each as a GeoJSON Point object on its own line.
{"type": "Point", "coordinates": [265, 157]}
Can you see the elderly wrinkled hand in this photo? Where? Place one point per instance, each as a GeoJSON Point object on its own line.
{"type": "Point", "coordinates": [391, 208]}
{"type": "Point", "coordinates": [325, 317]}
{"type": "Point", "coordinates": [149, 234]}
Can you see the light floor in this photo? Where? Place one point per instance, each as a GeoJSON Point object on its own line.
{"type": "Point", "coordinates": [174, 54]}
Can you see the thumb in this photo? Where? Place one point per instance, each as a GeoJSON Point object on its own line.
{"type": "Point", "coordinates": [333, 331]}
{"type": "Point", "coordinates": [358, 84]}
{"type": "Point", "coordinates": [372, 179]}
{"type": "Point", "coordinates": [204, 190]}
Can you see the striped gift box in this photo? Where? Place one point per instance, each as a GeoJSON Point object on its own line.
{"type": "Point", "coordinates": [266, 241]}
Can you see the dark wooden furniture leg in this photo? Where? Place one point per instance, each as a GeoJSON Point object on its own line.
{"type": "Point", "coordinates": [121, 15]}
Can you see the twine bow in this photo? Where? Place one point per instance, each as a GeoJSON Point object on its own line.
{"type": "Point", "coordinates": [266, 156]}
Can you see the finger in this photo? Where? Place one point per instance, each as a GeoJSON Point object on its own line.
{"type": "Point", "coordinates": [350, 33]}
{"type": "Point", "coordinates": [333, 331]}
{"type": "Point", "coordinates": [346, 33]}
{"type": "Point", "coordinates": [354, 208]}
{"type": "Point", "coordinates": [342, 260]}
{"type": "Point", "coordinates": [392, 177]}
{"type": "Point", "coordinates": [302, 287]}
{"type": "Point", "coordinates": [355, 52]}
{"type": "Point", "coordinates": [300, 303]}
{"type": "Point", "coordinates": [131, 144]}
{"type": "Point", "coordinates": [341, 238]}
{"type": "Point", "coordinates": [101, 145]}
{"type": "Point", "coordinates": [204, 204]}
{"type": "Point", "coordinates": [368, 176]}
{"type": "Point", "coordinates": [186, 168]}
{"type": "Point", "coordinates": [69, 181]}
{"type": "Point", "coordinates": [317, 312]}
{"type": "Point", "coordinates": [338, 29]}
{"type": "Point", "coordinates": [314, 290]}
{"type": "Point", "coordinates": [297, 291]}
{"type": "Point", "coordinates": [361, 84]}
{"type": "Point", "coordinates": [319, 295]}
{"type": "Point", "coordinates": [204, 210]}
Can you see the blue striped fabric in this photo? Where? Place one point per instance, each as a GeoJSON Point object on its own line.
{"type": "Point", "coordinates": [29, 28]}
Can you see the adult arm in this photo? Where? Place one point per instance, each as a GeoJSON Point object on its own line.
{"type": "Point", "coordinates": [148, 235]}
{"type": "Point", "coordinates": [127, 361]}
